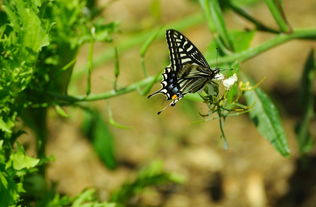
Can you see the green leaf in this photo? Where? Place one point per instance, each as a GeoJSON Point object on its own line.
{"type": "Point", "coordinates": [10, 190]}
{"type": "Point", "coordinates": [61, 112]}
{"type": "Point", "coordinates": [214, 13]}
{"type": "Point", "coordinates": [148, 42]}
{"type": "Point", "coordinates": [207, 13]}
{"type": "Point", "coordinates": [276, 10]}
{"type": "Point", "coordinates": [101, 137]}
{"type": "Point", "coordinates": [25, 20]}
{"type": "Point", "coordinates": [153, 175]}
{"type": "Point", "coordinates": [266, 118]}
{"type": "Point", "coordinates": [115, 123]}
{"type": "Point", "coordinates": [4, 126]}
{"type": "Point", "coordinates": [231, 94]}
{"type": "Point", "coordinates": [304, 139]}
{"type": "Point", "coordinates": [21, 161]}
{"type": "Point", "coordinates": [117, 63]}
{"type": "Point", "coordinates": [88, 199]}
{"type": "Point", "coordinates": [241, 39]}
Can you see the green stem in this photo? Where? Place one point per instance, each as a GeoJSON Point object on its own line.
{"type": "Point", "coordinates": [242, 56]}
{"type": "Point", "coordinates": [277, 40]}
{"type": "Point", "coordinates": [138, 39]}
{"type": "Point", "coordinates": [259, 25]}
{"type": "Point", "coordinates": [90, 60]}
{"type": "Point", "coordinates": [102, 96]}
{"type": "Point", "coordinates": [278, 14]}
{"type": "Point", "coordinates": [218, 19]}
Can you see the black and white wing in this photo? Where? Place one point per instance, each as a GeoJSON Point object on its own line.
{"type": "Point", "coordinates": [182, 51]}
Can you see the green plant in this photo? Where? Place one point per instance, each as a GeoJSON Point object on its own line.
{"type": "Point", "coordinates": [37, 60]}
{"type": "Point", "coordinates": [234, 49]}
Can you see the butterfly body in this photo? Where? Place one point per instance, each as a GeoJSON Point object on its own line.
{"type": "Point", "coordinates": [188, 72]}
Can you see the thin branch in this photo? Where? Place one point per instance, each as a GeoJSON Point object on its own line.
{"type": "Point", "coordinates": [277, 40]}
{"type": "Point", "coordinates": [242, 56]}
{"type": "Point", "coordinates": [259, 25]}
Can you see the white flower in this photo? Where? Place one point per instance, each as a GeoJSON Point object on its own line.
{"type": "Point", "coordinates": [230, 81]}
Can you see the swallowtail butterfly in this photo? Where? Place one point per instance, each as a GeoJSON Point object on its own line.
{"type": "Point", "coordinates": [188, 71]}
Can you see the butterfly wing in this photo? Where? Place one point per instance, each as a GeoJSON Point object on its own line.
{"type": "Point", "coordinates": [169, 84]}
{"type": "Point", "coordinates": [182, 51]}
{"type": "Point", "coordinates": [188, 72]}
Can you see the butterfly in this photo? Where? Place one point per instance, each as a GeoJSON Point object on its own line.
{"type": "Point", "coordinates": [188, 71]}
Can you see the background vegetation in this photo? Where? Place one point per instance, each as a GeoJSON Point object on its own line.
{"type": "Point", "coordinates": [107, 147]}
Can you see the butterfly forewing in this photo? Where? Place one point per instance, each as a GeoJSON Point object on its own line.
{"type": "Point", "coordinates": [182, 51]}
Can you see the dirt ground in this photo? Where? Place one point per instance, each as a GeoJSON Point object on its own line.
{"type": "Point", "coordinates": [250, 173]}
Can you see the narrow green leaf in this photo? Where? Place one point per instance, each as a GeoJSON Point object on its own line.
{"type": "Point", "coordinates": [304, 139]}
{"type": "Point", "coordinates": [266, 118]}
{"type": "Point", "coordinates": [60, 111]}
{"type": "Point", "coordinates": [70, 64]}
{"type": "Point", "coordinates": [218, 19]}
{"type": "Point", "coordinates": [101, 137]}
{"type": "Point", "coordinates": [207, 13]}
{"type": "Point", "coordinates": [3, 180]}
{"type": "Point", "coordinates": [116, 67]}
{"type": "Point", "coordinates": [116, 63]}
{"type": "Point", "coordinates": [90, 60]}
{"type": "Point", "coordinates": [259, 25]}
{"type": "Point", "coordinates": [115, 123]}
{"type": "Point", "coordinates": [276, 10]}
{"type": "Point", "coordinates": [148, 42]}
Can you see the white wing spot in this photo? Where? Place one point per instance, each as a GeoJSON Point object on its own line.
{"type": "Point", "coordinates": [190, 48]}
{"type": "Point", "coordinates": [185, 42]}
{"type": "Point", "coordinates": [185, 60]}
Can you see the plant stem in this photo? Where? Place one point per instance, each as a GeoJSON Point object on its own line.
{"type": "Point", "coordinates": [138, 39]}
{"type": "Point", "coordinates": [277, 40]}
{"type": "Point", "coordinates": [101, 96]}
{"type": "Point", "coordinates": [242, 56]}
{"type": "Point", "coordinates": [278, 14]}
{"type": "Point", "coordinates": [259, 25]}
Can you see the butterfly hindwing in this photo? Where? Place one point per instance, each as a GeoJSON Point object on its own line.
{"type": "Point", "coordinates": [169, 83]}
